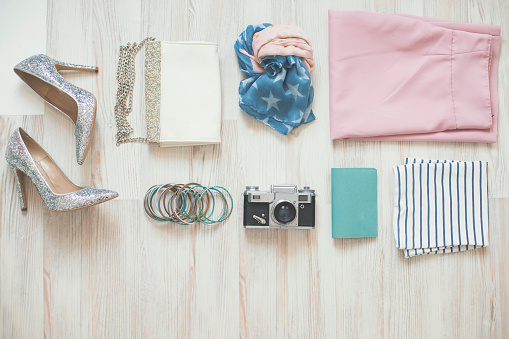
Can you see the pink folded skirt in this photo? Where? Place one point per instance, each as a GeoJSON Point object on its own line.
{"type": "Point", "coordinates": [405, 78]}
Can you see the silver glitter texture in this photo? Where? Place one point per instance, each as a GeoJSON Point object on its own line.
{"type": "Point", "coordinates": [19, 158]}
{"type": "Point", "coordinates": [43, 67]}
{"type": "Point", "coordinates": [153, 89]}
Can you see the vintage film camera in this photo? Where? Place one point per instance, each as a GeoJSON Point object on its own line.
{"type": "Point", "coordinates": [284, 206]}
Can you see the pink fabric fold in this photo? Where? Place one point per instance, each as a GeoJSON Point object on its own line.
{"type": "Point", "coordinates": [283, 40]}
{"type": "Point", "coordinates": [406, 78]}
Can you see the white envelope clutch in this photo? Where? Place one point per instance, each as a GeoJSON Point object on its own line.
{"type": "Point", "coordinates": [182, 93]}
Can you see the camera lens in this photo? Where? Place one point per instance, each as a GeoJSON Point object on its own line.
{"type": "Point", "coordinates": [284, 212]}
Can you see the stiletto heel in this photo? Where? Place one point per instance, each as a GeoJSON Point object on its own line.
{"type": "Point", "coordinates": [20, 186]}
{"type": "Point", "coordinates": [27, 158]}
{"type": "Point", "coordinates": [65, 66]}
{"type": "Point", "coordinates": [40, 72]}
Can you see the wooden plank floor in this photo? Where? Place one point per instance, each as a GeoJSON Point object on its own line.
{"type": "Point", "coordinates": [110, 272]}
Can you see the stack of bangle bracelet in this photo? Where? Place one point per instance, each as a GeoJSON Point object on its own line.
{"type": "Point", "coordinates": [186, 204]}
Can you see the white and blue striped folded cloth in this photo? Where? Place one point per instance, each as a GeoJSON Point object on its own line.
{"type": "Point", "coordinates": [440, 206]}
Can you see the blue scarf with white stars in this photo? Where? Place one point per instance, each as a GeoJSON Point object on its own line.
{"type": "Point", "coordinates": [280, 97]}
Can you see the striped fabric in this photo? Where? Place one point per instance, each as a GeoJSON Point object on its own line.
{"type": "Point", "coordinates": [440, 206]}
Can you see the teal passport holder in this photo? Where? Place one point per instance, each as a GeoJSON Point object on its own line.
{"type": "Point", "coordinates": [354, 203]}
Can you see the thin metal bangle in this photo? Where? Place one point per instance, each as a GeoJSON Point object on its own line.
{"type": "Point", "coordinates": [151, 194]}
{"type": "Point", "coordinates": [170, 188]}
{"type": "Point", "coordinates": [179, 215]}
{"type": "Point", "coordinates": [206, 219]}
{"type": "Point", "coordinates": [197, 217]}
{"type": "Point", "coordinates": [192, 187]}
{"type": "Point", "coordinates": [187, 204]}
{"type": "Point", "coordinates": [145, 204]}
{"type": "Point", "coordinates": [231, 203]}
{"type": "Point", "coordinates": [224, 215]}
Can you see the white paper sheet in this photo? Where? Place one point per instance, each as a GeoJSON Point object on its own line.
{"type": "Point", "coordinates": [22, 34]}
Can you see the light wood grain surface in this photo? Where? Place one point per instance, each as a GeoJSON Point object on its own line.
{"type": "Point", "coordinates": [110, 272]}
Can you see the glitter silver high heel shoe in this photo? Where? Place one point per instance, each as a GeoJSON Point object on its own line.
{"type": "Point", "coordinates": [41, 73]}
{"type": "Point", "coordinates": [26, 157]}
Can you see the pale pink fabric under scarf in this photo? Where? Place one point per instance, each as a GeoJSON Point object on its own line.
{"type": "Point", "coordinates": [281, 40]}
{"type": "Point", "coordinates": [406, 78]}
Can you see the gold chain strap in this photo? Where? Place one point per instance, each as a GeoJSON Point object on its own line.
{"type": "Point", "coordinates": [125, 76]}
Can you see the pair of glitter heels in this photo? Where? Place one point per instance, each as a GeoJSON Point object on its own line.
{"type": "Point", "coordinates": [27, 158]}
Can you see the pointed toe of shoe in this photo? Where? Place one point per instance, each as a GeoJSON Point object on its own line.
{"type": "Point", "coordinates": [108, 195]}
{"type": "Point", "coordinates": [102, 195]}
{"type": "Point", "coordinates": [82, 140]}
{"type": "Point", "coordinates": [81, 148]}
{"type": "Point", "coordinates": [85, 197]}
{"type": "Point", "coordinates": [95, 196]}
{"type": "Point", "coordinates": [84, 123]}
